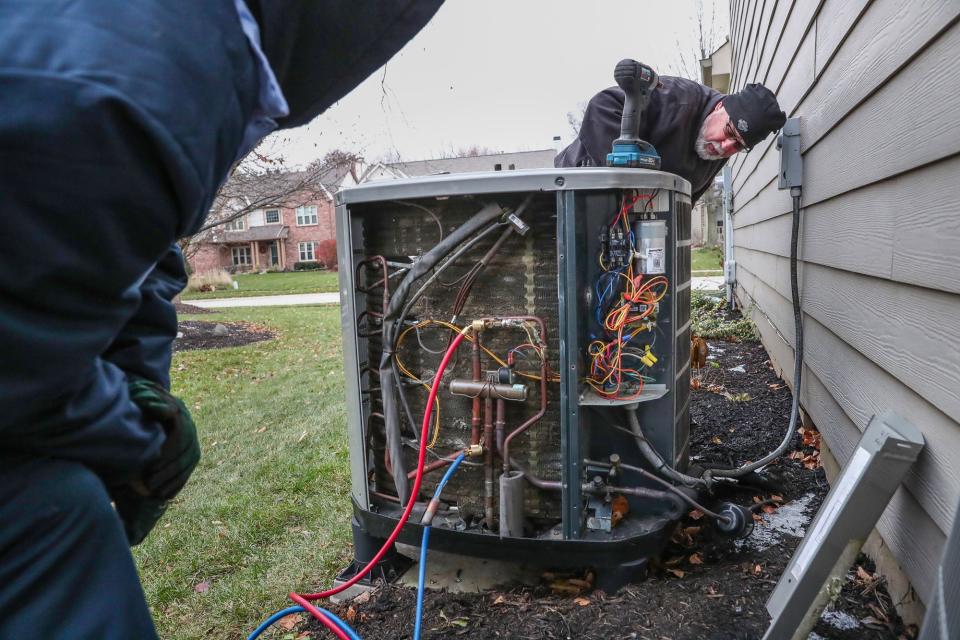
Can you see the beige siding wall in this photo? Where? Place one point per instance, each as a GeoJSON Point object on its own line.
{"type": "Point", "coordinates": [876, 85]}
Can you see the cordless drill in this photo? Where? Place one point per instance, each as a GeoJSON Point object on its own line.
{"type": "Point", "coordinates": [638, 82]}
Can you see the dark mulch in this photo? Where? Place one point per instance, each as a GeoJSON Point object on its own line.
{"type": "Point", "coordinates": [199, 334]}
{"type": "Point", "coordinates": [703, 586]}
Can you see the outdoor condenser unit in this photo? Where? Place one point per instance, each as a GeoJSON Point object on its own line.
{"type": "Point", "coordinates": [576, 285]}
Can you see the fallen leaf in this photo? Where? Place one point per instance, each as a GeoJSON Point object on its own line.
{"type": "Point", "coordinates": [363, 597]}
{"type": "Point", "coordinates": [677, 572]}
{"type": "Point", "coordinates": [776, 497]}
{"type": "Point", "coordinates": [287, 623]}
{"type": "Point", "coordinates": [582, 601]}
{"type": "Point", "coordinates": [878, 612]}
{"type": "Point", "coordinates": [351, 615]}
{"type": "Point", "coordinates": [500, 600]}
{"type": "Point", "coordinates": [202, 587]}
{"type": "Point", "coordinates": [561, 587]}
{"type": "Point", "coordinates": [619, 509]}
{"type": "Point", "coordinates": [769, 508]}
{"type": "Point", "coordinates": [757, 569]}
{"type": "Point", "coordinates": [757, 499]}
{"type": "Point", "coordinates": [757, 517]}
{"type": "Point", "coordinates": [695, 559]}
{"type": "Point", "coordinates": [696, 514]}
{"type": "Point", "coordinates": [864, 575]}
{"type": "Point", "coordinates": [716, 440]}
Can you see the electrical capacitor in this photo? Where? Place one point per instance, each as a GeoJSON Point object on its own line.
{"type": "Point", "coordinates": [651, 243]}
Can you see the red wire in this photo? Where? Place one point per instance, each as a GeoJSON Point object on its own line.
{"type": "Point", "coordinates": [424, 432]}
{"type": "Point", "coordinates": [319, 615]}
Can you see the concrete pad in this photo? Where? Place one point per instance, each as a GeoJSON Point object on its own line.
{"type": "Point", "coordinates": [461, 574]}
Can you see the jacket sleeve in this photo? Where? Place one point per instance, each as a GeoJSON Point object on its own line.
{"type": "Point", "coordinates": [144, 345]}
{"type": "Point", "coordinates": [90, 209]}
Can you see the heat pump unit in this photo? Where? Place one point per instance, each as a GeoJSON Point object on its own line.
{"type": "Point", "coordinates": [572, 384]}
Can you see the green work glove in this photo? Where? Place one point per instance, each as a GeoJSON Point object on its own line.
{"type": "Point", "coordinates": [142, 501]}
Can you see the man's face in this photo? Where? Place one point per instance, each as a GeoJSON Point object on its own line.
{"type": "Point", "coordinates": [718, 138]}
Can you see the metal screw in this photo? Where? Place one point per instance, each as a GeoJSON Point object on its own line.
{"type": "Point", "coordinates": [559, 181]}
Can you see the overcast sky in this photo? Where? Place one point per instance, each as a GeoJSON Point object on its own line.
{"type": "Point", "coordinates": [499, 74]}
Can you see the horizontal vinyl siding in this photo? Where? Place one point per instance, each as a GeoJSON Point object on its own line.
{"type": "Point", "coordinates": [875, 83]}
{"type": "Point", "coordinates": [905, 526]}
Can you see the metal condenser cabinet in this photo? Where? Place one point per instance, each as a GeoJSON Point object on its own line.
{"type": "Point", "coordinates": [580, 280]}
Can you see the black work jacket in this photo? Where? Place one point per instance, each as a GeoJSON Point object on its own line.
{"type": "Point", "coordinates": [670, 123]}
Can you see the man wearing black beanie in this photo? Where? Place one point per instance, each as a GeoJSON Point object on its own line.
{"type": "Point", "coordinates": [694, 128]}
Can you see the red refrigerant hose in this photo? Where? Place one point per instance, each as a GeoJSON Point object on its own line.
{"type": "Point", "coordinates": [424, 433]}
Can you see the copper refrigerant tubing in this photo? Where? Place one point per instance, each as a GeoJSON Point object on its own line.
{"type": "Point", "coordinates": [475, 416]}
{"type": "Point", "coordinates": [488, 460]}
{"type": "Point", "coordinates": [505, 453]}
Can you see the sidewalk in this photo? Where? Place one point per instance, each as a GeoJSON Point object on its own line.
{"type": "Point", "coordinates": [268, 301]}
{"type": "Point", "coordinates": [698, 284]}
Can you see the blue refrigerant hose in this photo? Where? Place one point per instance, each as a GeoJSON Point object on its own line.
{"type": "Point", "coordinates": [422, 573]}
{"type": "Point", "coordinates": [297, 609]}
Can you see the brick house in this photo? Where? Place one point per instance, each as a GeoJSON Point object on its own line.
{"type": "Point", "coordinates": [287, 228]}
{"type": "Point", "coordinates": [273, 237]}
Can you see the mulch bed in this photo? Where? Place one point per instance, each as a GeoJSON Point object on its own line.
{"type": "Point", "coordinates": [199, 334]}
{"type": "Point", "coordinates": [703, 586]}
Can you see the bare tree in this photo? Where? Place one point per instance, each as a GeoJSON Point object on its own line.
{"type": "Point", "coordinates": [471, 151]}
{"type": "Point", "coordinates": [575, 118]}
{"type": "Point", "coordinates": [709, 36]}
{"type": "Point", "coordinates": [263, 180]}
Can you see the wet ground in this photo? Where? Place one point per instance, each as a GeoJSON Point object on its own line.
{"type": "Point", "coordinates": [703, 586]}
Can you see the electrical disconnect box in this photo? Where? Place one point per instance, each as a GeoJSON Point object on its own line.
{"type": "Point", "coordinates": [575, 284]}
{"type": "Point", "coordinates": [791, 164]}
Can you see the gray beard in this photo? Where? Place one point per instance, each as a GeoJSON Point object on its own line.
{"type": "Point", "coordinates": [701, 146]}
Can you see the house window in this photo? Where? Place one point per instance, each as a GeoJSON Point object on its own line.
{"type": "Point", "coordinates": [272, 216]}
{"type": "Point", "coordinates": [308, 252]}
{"type": "Point", "coordinates": [237, 224]}
{"type": "Point", "coordinates": [306, 215]}
{"type": "Point", "coordinates": [512, 167]}
{"type": "Point", "coordinates": [242, 256]}
{"type": "Point", "coordinates": [497, 167]}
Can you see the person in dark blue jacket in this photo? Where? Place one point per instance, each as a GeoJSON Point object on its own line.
{"type": "Point", "coordinates": [118, 122]}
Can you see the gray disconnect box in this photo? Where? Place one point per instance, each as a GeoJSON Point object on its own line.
{"type": "Point", "coordinates": [887, 449]}
{"type": "Point", "coordinates": [791, 165]}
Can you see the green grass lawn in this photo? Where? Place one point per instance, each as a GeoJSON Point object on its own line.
{"type": "Point", "coordinates": [268, 509]}
{"type": "Point", "coordinates": [707, 259]}
{"type": "Point", "coordinates": [272, 284]}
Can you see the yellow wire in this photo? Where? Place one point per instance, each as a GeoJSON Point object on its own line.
{"type": "Point", "coordinates": [453, 327]}
{"type": "Point", "coordinates": [436, 403]}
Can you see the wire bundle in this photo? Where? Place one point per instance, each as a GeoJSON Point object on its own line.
{"type": "Point", "coordinates": [626, 304]}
